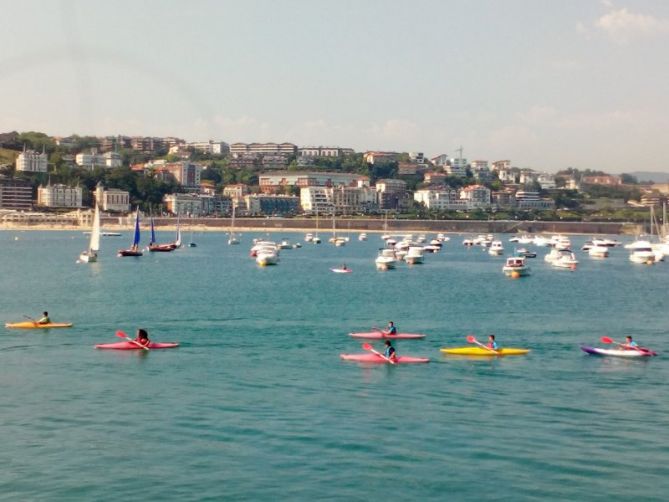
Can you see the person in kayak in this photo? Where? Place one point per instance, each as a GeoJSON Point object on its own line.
{"type": "Point", "coordinates": [44, 319]}
{"type": "Point", "coordinates": [492, 344]}
{"type": "Point", "coordinates": [142, 337]}
{"type": "Point", "coordinates": [629, 343]}
{"type": "Point", "coordinates": [390, 329]}
{"type": "Point", "coordinates": [390, 352]}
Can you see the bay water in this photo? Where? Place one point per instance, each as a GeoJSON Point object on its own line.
{"type": "Point", "coordinates": [256, 404]}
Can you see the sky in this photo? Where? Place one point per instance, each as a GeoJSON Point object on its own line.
{"type": "Point", "coordinates": [547, 84]}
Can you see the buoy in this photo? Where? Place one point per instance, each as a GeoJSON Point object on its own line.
{"type": "Point", "coordinates": [515, 274]}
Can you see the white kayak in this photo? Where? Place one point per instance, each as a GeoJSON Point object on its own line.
{"type": "Point", "coordinates": [641, 352]}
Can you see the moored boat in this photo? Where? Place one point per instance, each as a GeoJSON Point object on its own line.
{"type": "Point", "coordinates": [515, 267]}
{"type": "Point", "coordinates": [134, 249]}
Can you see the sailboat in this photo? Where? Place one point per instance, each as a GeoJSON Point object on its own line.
{"type": "Point", "coordinates": [91, 255]}
{"type": "Point", "coordinates": [191, 242]}
{"type": "Point", "coordinates": [337, 241]}
{"type": "Point", "coordinates": [233, 240]}
{"type": "Point", "coordinates": [315, 239]}
{"type": "Point", "coordinates": [154, 247]}
{"type": "Point", "coordinates": [134, 249]}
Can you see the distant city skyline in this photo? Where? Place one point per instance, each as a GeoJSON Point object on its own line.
{"type": "Point", "coordinates": [547, 84]}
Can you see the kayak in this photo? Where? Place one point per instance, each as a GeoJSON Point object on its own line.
{"type": "Point", "coordinates": [378, 335]}
{"type": "Point", "coordinates": [479, 351]}
{"type": "Point", "coordinates": [34, 325]}
{"type": "Point", "coordinates": [341, 270]}
{"type": "Point", "coordinates": [374, 358]}
{"type": "Point", "coordinates": [134, 346]}
{"type": "Point", "coordinates": [642, 352]}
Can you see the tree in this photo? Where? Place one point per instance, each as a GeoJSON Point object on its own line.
{"type": "Point", "coordinates": [628, 179]}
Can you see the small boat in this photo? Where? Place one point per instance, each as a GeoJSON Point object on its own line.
{"type": "Point", "coordinates": [91, 254]}
{"type": "Point", "coordinates": [496, 248]}
{"type": "Point", "coordinates": [431, 249]}
{"type": "Point", "coordinates": [232, 238]}
{"type": "Point", "coordinates": [134, 249]}
{"type": "Point", "coordinates": [468, 243]}
{"type": "Point", "coordinates": [525, 253]}
{"type": "Point", "coordinates": [540, 241]}
{"type": "Point", "coordinates": [641, 352]}
{"type": "Point", "coordinates": [308, 237]}
{"type": "Point", "coordinates": [414, 256]}
{"type": "Point", "coordinates": [36, 325]}
{"type": "Point", "coordinates": [567, 259]}
{"type": "Point", "coordinates": [386, 260]}
{"type": "Point", "coordinates": [515, 267]}
{"type": "Point", "coordinates": [606, 242]}
{"type": "Point", "coordinates": [480, 351]}
{"type": "Point", "coordinates": [587, 246]}
{"type": "Point", "coordinates": [362, 236]}
{"type": "Point", "coordinates": [380, 335]}
{"type": "Point", "coordinates": [285, 244]}
{"type": "Point", "coordinates": [598, 251]}
{"type": "Point", "coordinates": [154, 247]}
{"type": "Point", "coordinates": [377, 359]}
{"type": "Point", "coordinates": [641, 252]}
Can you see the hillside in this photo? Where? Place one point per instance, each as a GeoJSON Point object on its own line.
{"type": "Point", "coordinates": [7, 156]}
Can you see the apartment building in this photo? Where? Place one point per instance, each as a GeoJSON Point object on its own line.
{"type": "Point", "coordinates": [30, 161]}
{"type": "Point", "coordinates": [256, 149]}
{"type": "Point", "coordinates": [59, 196]}
{"type": "Point", "coordinates": [15, 194]}
{"type": "Point", "coordinates": [276, 182]}
{"type": "Point", "coordinates": [324, 151]}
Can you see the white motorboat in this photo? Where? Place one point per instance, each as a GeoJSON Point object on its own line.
{"type": "Point", "coordinates": [308, 237]}
{"type": "Point", "coordinates": [436, 242]}
{"type": "Point", "coordinates": [468, 243]}
{"type": "Point", "coordinates": [386, 260]}
{"type": "Point", "coordinates": [605, 242]}
{"type": "Point", "coordinates": [496, 248]}
{"type": "Point", "coordinates": [431, 249]}
{"type": "Point", "coordinates": [567, 259]}
{"type": "Point", "coordinates": [263, 245]}
{"type": "Point", "coordinates": [553, 255]}
{"type": "Point", "coordinates": [540, 241]}
{"type": "Point", "coordinates": [414, 256]}
{"type": "Point", "coordinates": [597, 251]}
{"type": "Point", "coordinates": [515, 238]}
{"type": "Point", "coordinates": [285, 244]}
{"type": "Point", "coordinates": [515, 266]}
{"type": "Point", "coordinates": [525, 239]}
{"type": "Point", "coordinates": [560, 242]}
{"type": "Point", "coordinates": [641, 252]}
{"type": "Point", "coordinates": [587, 245]}
{"type": "Point", "coordinates": [267, 256]}
{"type": "Point", "coordinates": [91, 254]}
{"type": "Point", "coordinates": [362, 236]}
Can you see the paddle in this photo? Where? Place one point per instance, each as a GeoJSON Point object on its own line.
{"type": "Point", "coordinates": [472, 339]}
{"type": "Point", "coordinates": [606, 339]}
{"type": "Point", "coordinates": [367, 346]}
{"type": "Point", "coordinates": [121, 334]}
{"type": "Point", "coordinates": [34, 321]}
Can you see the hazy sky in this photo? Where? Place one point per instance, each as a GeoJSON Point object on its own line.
{"type": "Point", "coordinates": [546, 83]}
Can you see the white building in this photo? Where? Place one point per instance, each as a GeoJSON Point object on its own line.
{"type": "Point", "coordinates": [440, 160]}
{"type": "Point", "coordinates": [532, 200]}
{"type": "Point", "coordinates": [32, 162]}
{"type": "Point", "coordinates": [210, 147]}
{"type": "Point", "coordinates": [341, 199]}
{"type": "Point", "coordinates": [112, 199]}
{"type": "Point", "coordinates": [59, 196]}
{"type": "Point", "coordinates": [184, 203]}
{"type": "Point", "coordinates": [439, 200]}
{"type": "Point", "coordinates": [476, 196]}
{"type": "Point", "coordinates": [456, 167]}
{"type": "Point", "coordinates": [316, 200]}
{"type": "Point", "coordinates": [324, 151]}
{"type": "Point", "coordinates": [547, 181]}
{"type": "Point", "coordinates": [92, 160]}
{"type": "Point", "coordinates": [245, 149]}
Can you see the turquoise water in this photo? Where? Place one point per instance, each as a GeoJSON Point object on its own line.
{"type": "Point", "coordinates": [256, 403]}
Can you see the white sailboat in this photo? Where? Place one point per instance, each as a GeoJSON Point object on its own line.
{"type": "Point", "coordinates": [337, 241]}
{"type": "Point", "coordinates": [91, 255]}
{"type": "Point", "coordinates": [233, 239]}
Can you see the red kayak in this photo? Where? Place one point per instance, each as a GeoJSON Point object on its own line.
{"type": "Point", "coordinates": [379, 335]}
{"type": "Point", "coordinates": [134, 346]}
{"type": "Point", "coordinates": [374, 358]}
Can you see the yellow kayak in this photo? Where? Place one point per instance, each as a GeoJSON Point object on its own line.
{"type": "Point", "coordinates": [34, 325]}
{"type": "Point", "coordinates": [478, 351]}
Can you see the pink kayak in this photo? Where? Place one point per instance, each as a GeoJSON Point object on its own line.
{"type": "Point", "coordinates": [134, 346]}
{"type": "Point", "coordinates": [374, 358]}
{"type": "Point", "coordinates": [378, 335]}
{"type": "Point", "coordinates": [341, 270]}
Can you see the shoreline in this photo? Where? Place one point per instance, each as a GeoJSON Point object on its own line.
{"type": "Point", "coordinates": [278, 225]}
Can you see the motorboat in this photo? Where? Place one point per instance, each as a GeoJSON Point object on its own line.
{"type": "Point", "coordinates": [552, 255]}
{"type": "Point", "coordinates": [560, 242]}
{"type": "Point", "coordinates": [641, 252]}
{"type": "Point", "coordinates": [515, 238]}
{"type": "Point", "coordinates": [567, 259]}
{"type": "Point", "coordinates": [496, 248]}
{"type": "Point", "coordinates": [525, 253]}
{"type": "Point", "coordinates": [525, 239]}
{"type": "Point", "coordinates": [267, 256]}
{"type": "Point", "coordinates": [285, 244]}
{"type": "Point", "coordinates": [606, 242]}
{"type": "Point", "coordinates": [414, 256]}
{"type": "Point", "coordinates": [386, 259]}
{"type": "Point", "coordinates": [587, 245]}
{"type": "Point", "coordinates": [308, 237]}
{"type": "Point", "coordinates": [436, 242]}
{"type": "Point", "coordinates": [540, 241]}
{"type": "Point", "coordinates": [468, 243]}
{"type": "Point", "coordinates": [515, 266]}
{"type": "Point", "coordinates": [263, 245]}
{"type": "Point", "coordinates": [362, 236]}
{"type": "Point", "coordinates": [598, 251]}
{"type": "Point", "coordinates": [431, 249]}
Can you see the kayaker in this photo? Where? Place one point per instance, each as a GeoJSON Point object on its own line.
{"type": "Point", "coordinates": [44, 319]}
{"type": "Point", "coordinates": [142, 337]}
{"type": "Point", "coordinates": [390, 329]}
{"type": "Point", "coordinates": [390, 352]}
{"type": "Point", "coordinates": [629, 343]}
{"type": "Point", "coordinates": [492, 344]}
